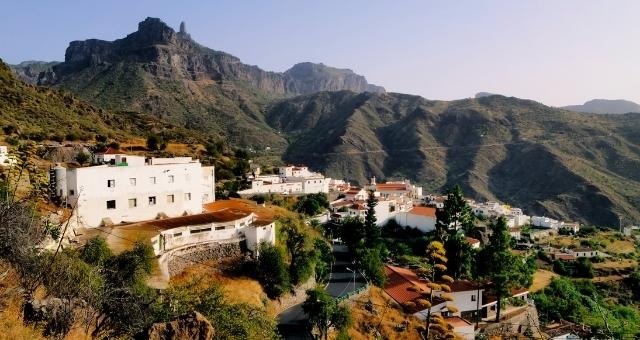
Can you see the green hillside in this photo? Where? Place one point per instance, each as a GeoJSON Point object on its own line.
{"type": "Point", "coordinates": [549, 161]}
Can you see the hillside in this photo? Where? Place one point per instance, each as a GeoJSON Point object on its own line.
{"type": "Point", "coordinates": [160, 71]}
{"type": "Point", "coordinates": [548, 161]}
{"type": "Point", "coordinates": [605, 106]}
{"type": "Point", "coordinates": [40, 113]}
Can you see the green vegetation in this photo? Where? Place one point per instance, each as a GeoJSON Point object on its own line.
{"type": "Point", "coordinates": [456, 214]}
{"type": "Point", "coordinates": [312, 204]}
{"type": "Point", "coordinates": [325, 312]}
{"type": "Point", "coordinates": [272, 271]}
{"type": "Point", "coordinates": [505, 269]}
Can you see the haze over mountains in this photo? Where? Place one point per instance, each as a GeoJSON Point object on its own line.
{"type": "Point", "coordinates": [549, 161]}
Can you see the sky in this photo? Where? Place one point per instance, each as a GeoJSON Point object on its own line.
{"type": "Point", "coordinates": [556, 52]}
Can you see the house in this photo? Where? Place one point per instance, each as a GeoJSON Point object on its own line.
{"type": "Point", "coordinates": [461, 327]}
{"type": "Point", "coordinates": [222, 225]}
{"type": "Point", "coordinates": [289, 180]}
{"type": "Point", "coordinates": [406, 288]}
{"type": "Point", "coordinates": [473, 242]}
{"type": "Point", "coordinates": [588, 253]}
{"type": "Point", "coordinates": [401, 188]}
{"type": "Point", "coordinates": [564, 257]}
{"type": "Point", "coordinates": [490, 301]}
{"type": "Point", "coordinates": [467, 297]}
{"type": "Point", "coordinates": [133, 188]}
{"type": "Point", "coordinates": [422, 218]}
{"type": "Point", "coordinates": [545, 222]}
{"type": "Point", "coordinates": [5, 158]}
{"type": "Point", "coordinates": [573, 227]}
{"type": "Point", "coordinates": [356, 194]}
{"type": "Point", "coordinates": [515, 233]}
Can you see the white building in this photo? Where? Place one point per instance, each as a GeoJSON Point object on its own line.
{"type": "Point", "coordinates": [224, 225]}
{"type": "Point", "coordinates": [134, 188]}
{"type": "Point", "coordinates": [422, 218]}
{"type": "Point", "coordinates": [289, 180]}
{"type": "Point", "coordinates": [5, 158]}
{"type": "Point", "coordinates": [545, 222]}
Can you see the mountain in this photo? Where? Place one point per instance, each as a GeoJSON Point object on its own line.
{"type": "Point", "coordinates": [605, 106]}
{"type": "Point", "coordinates": [164, 72]}
{"type": "Point", "coordinates": [485, 94]}
{"type": "Point", "coordinates": [43, 113]}
{"type": "Point", "coordinates": [29, 71]}
{"type": "Point", "coordinates": [548, 161]}
{"type": "Point", "coordinates": [306, 78]}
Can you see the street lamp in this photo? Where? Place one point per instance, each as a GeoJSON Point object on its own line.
{"type": "Point", "coordinates": [354, 277]}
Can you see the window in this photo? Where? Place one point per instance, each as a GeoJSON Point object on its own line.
{"type": "Point", "coordinates": [72, 192]}
{"type": "Point", "coordinates": [171, 179]}
{"type": "Point", "coordinates": [219, 228]}
{"type": "Point", "coordinates": [111, 204]}
{"type": "Point", "coordinates": [196, 231]}
{"type": "Point", "coordinates": [152, 200]}
{"type": "Point", "coordinates": [473, 298]}
{"type": "Point", "coordinates": [170, 199]}
{"type": "Point", "coordinates": [177, 234]}
{"type": "Point", "coordinates": [111, 183]}
{"type": "Point", "coordinates": [152, 180]}
{"type": "Point", "coordinates": [133, 203]}
{"type": "Point", "coordinates": [187, 196]}
{"type": "Point", "coordinates": [132, 182]}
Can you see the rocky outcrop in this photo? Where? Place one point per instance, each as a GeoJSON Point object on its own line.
{"type": "Point", "coordinates": [605, 106]}
{"type": "Point", "coordinates": [169, 54]}
{"type": "Point", "coordinates": [191, 326]}
{"type": "Point", "coordinates": [305, 78]}
{"type": "Point", "coordinates": [31, 71]}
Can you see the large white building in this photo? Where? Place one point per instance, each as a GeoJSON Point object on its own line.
{"type": "Point", "coordinates": [289, 180]}
{"type": "Point", "coordinates": [422, 218]}
{"type": "Point", "coordinates": [134, 188]}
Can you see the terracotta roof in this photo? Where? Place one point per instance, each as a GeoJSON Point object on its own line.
{"type": "Point", "coordinates": [464, 286]}
{"type": "Point", "coordinates": [456, 321]}
{"type": "Point", "coordinates": [226, 215]}
{"type": "Point", "coordinates": [471, 240]}
{"type": "Point", "coordinates": [514, 230]}
{"type": "Point", "coordinates": [353, 191]}
{"type": "Point", "coordinates": [518, 291]}
{"type": "Point", "coordinates": [341, 203]}
{"type": "Point", "coordinates": [410, 276]}
{"type": "Point", "coordinates": [566, 257]}
{"type": "Point", "coordinates": [391, 187]}
{"type": "Point", "coordinates": [358, 207]}
{"type": "Point", "coordinates": [398, 287]}
{"type": "Point", "coordinates": [423, 211]}
{"type": "Point", "coordinates": [110, 151]}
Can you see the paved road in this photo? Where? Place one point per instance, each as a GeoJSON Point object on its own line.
{"type": "Point", "coordinates": [292, 322]}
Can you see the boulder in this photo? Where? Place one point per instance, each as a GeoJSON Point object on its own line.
{"type": "Point", "coordinates": [191, 326]}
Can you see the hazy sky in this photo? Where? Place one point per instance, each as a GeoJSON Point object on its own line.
{"type": "Point", "coordinates": [557, 52]}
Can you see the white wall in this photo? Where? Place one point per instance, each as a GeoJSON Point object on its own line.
{"type": "Point", "coordinates": [462, 300]}
{"type": "Point", "coordinates": [91, 192]}
{"type": "Point", "coordinates": [423, 223]}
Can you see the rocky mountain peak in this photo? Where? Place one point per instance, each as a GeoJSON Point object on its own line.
{"type": "Point", "coordinates": [310, 77]}
{"type": "Point", "coordinates": [153, 31]}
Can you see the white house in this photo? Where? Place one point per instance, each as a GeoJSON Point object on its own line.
{"type": "Point", "coordinates": [134, 188]}
{"type": "Point", "coordinates": [545, 222]}
{"type": "Point", "coordinates": [588, 253]}
{"type": "Point", "coordinates": [224, 225]}
{"type": "Point", "coordinates": [289, 180]}
{"type": "Point", "coordinates": [5, 158]}
{"type": "Point", "coordinates": [461, 327]}
{"type": "Point", "coordinates": [422, 218]}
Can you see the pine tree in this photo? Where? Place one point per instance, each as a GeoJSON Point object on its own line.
{"type": "Point", "coordinates": [370, 222]}
{"type": "Point", "coordinates": [455, 214]}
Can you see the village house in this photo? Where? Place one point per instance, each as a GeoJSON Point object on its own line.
{"type": "Point", "coordinates": [588, 252]}
{"type": "Point", "coordinates": [290, 180]}
{"type": "Point", "coordinates": [422, 218]}
{"type": "Point", "coordinates": [546, 222]}
{"type": "Point", "coordinates": [473, 242]}
{"type": "Point", "coordinates": [132, 188]}
{"type": "Point", "coordinates": [5, 158]}
{"type": "Point", "coordinates": [396, 189]}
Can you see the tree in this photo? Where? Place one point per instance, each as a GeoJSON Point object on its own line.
{"type": "Point", "coordinates": [352, 233]}
{"type": "Point", "coordinates": [437, 281]}
{"type": "Point", "coordinates": [82, 157]}
{"type": "Point", "coordinates": [325, 259]}
{"type": "Point", "coordinates": [370, 261]}
{"type": "Point", "coordinates": [505, 269]}
{"type": "Point", "coordinates": [324, 312]}
{"type": "Point", "coordinates": [370, 226]}
{"type": "Point", "coordinates": [302, 259]}
{"type": "Point", "coordinates": [455, 214]}
{"type": "Point", "coordinates": [272, 271]}
{"type": "Point", "coordinates": [460, 256]}
{"type": "Point", "coordinates": [155, 142]}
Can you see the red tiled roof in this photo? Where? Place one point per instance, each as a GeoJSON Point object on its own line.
{"type": "Point", "coordinates": [358, 207]}
{"type": "Point", "coordinates": [423, 211]}
{"type": "Point", "coordinates": [472, 240]}
{"type": "Point", "coordinates": [353, 191]}
{"type": "Point", "coordinates": [566, 257]}
{"type": "Point", "coordinates": [110, 151]}
{"type": "Point", "coordinates": [226, 215]}
{"type": "Point", "coordinates": [398, 287]}
{"type": "Point", "coordinates": [391, 187]}
{"type": "Point", "coordinates": [464, 286]}
{"type": "Point", "coordinates": [341, 204]}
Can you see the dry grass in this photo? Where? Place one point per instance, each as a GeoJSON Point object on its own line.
{"type": "Point", "coordinates": [236, 288]}
{"type": "Point", "coordinates": [616, 264]}
{"type": "Point", "coordinates": [386, 318]}
{"type": "Point", "coordinates": [541, 279]}
{"type": "Point", "coordinates": [620, 247]}
{"type": "Point", "coordinates": [609, 278]}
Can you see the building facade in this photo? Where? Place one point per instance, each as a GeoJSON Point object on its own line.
{"type": "Point", "coordinates": [134, 188]}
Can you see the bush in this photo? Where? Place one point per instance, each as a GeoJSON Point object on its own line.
{"type": "Point", "coordinates": [272, 271]}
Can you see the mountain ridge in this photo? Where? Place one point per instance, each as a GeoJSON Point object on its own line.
{"type": "Point", "coordinates": [604, 106]}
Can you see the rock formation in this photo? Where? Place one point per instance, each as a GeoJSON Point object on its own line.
{"type": "Point", "coordinates": [191, 326]}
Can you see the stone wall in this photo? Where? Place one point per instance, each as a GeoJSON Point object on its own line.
{"type": "Point", "coordinates": [175, 261]}
{"type": "Point", "coordinates": [298, 295]}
